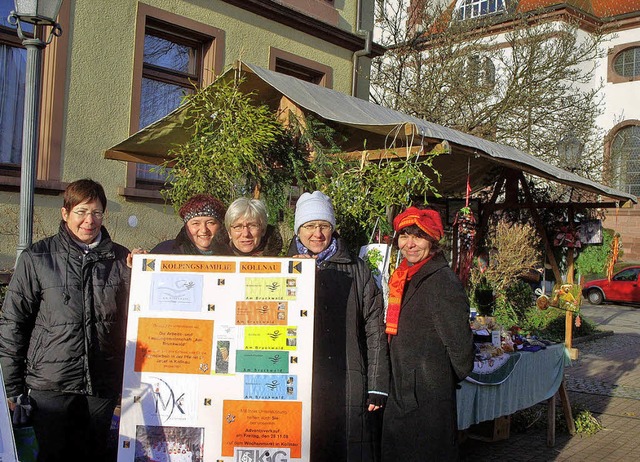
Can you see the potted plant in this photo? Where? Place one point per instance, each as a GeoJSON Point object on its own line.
{"type": "Point", "coordinates": [484, 298]}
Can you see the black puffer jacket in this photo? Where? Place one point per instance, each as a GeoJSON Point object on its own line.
{"type": "Point", "coordinates": [350, 359]}
{"type": "Point", "coordinates": [63, 322]}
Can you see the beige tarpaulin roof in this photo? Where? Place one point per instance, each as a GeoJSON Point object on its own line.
{"type": "Point", "coordinates": [365, 121]}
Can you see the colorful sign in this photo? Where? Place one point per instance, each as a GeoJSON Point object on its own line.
{"type": "Point", "coordinates": [219, 359]}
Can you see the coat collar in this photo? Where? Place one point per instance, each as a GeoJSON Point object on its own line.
{"type": "Point", "coordinates": [436, 263]}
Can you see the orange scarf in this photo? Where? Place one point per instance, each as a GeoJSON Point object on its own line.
{"type": "Point", "coordinates": [397, 283]}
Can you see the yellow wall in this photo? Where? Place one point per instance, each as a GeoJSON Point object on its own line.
{"type": "Point", "coordinates": [98, 103]}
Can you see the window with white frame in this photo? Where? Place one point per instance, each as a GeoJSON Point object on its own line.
{"type": "Point", "coordinates": [469, 9]}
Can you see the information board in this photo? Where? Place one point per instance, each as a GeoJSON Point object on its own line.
{"type": "Point", "coordinates": [7, 446]}
{"type": "Point", "coordinates": [219, 359]}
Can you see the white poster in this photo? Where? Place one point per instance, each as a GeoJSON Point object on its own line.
{"type": "Point", "coordinates": [8, 451]}
{"type": "Point", "coordinates": [219, 359]}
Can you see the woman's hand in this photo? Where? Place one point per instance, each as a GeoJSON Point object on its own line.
{"type": "Point", "coordinates": [375, 401]}
{"type": "Point", "coordinates": [134, 252]}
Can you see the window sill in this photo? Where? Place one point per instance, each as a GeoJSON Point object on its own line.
{"type": "Point", "coordinates": [141, 195]}
{"type": "Point", "coordinates": [47, 187]}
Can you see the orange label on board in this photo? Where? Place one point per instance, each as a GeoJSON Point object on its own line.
{"type": "Point", "coordinates": [260, 266]}
{"type": "Point", "coordinates": [179, 346]}
{"type": "Point", "coordinates": [262, 424]}
{"type": "Point", "coordinates": [261, 313]}
{"type": "Point", "coordinates": [198, 266]}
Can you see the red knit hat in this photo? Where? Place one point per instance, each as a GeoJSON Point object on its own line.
{"type": "Point", "coordinates": [202, 205]}
{"type": "Point", "coordinates": [428, 220]}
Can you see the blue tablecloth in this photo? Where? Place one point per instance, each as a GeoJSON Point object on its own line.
{"type": "Point", "coordinates": [535, 378]}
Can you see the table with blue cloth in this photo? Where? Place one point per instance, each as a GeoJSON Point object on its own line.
{"type": "Point", "coordinates": [528, 378]}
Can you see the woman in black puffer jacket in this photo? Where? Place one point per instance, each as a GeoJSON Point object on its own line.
{"type": "Point", "coordinates": [63, 329]}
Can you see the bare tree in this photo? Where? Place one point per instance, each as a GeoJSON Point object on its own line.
{"type": "Point", "coordinates": [515, 79]}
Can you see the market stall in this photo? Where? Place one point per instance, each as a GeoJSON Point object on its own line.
{"type": "Point", "coordinates": [525, 379]}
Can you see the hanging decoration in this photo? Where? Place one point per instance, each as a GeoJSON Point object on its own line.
{"type": "Point", "coordinates": [613, 255]}
{"type": "Point", "coordinates": [567, 236]}
{"type": "Point", "coordinates": [564, 297]}
{"type": "Point", "coordinates": [465, 226]}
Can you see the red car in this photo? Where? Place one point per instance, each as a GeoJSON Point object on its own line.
{"type": "Point", "coordinates": [623, 287]}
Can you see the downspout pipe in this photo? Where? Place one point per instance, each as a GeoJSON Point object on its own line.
{"type": "Point", "coordinates": [368, 39]}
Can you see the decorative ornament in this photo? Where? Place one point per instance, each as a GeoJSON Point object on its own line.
{"type": "Point", "coordinates": [613, 255]}
{"type": "Point", "coordinates": [542, 302]}
{"type": "Point", "coordinates": [465, 224]}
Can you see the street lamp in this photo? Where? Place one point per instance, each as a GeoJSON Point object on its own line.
{"type": "Point", "coordinates": [570, 151]}
{"type": "Point", "coordinates": [39, 13]}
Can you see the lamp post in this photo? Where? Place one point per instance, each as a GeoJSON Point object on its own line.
{"type": "Point", "coordinates": [39, 13]}
{"type": "Point", "coordinates": [570, 151]}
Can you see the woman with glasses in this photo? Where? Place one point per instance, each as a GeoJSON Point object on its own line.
{"type": "Point", "coordinates": [249, 233]}
{"type": "Point", "coordinates": [350, 354]}
{"type": "Point", "coordinates": [62, 330]}
{"type": "Point", "coordinates": [201, 234]}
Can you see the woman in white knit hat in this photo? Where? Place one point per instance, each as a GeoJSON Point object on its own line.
{"type": "Point", "coordinates": [350, 357]}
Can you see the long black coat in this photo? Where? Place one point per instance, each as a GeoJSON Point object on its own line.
{"type": "Point", "coordinates": [350, 358]}
{"type": "Point", "coordinates": [432, 352]}
{"type": "Point", "coordinates": [63, 322]}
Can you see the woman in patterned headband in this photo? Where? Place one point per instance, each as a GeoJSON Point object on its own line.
{"type": "Point", "coordinates": [203, 216]}
{"type": "Point", "coordinates": [430, 343]}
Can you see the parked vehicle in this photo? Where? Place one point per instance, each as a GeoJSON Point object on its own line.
{"type": "Point", "coordinates": [623, 287]}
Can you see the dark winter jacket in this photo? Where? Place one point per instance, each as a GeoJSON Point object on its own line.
{"type": "Point", "coordinates": [350, 358]}
{"type": "Point", "coordinates": [270, 245]}
{"type": "Point", "coordinates": [432, 352]}
{"type": "Point", "coordinates": [63, 322]}
{"type": "Point", "coordinates": [182, 245]}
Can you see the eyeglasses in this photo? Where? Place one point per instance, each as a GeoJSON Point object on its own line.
{"type": "Point", "coordinates": [83, 214]}
{"type": "Point", "coordinates": [311, 227]}
{"type": "Point", "coordinates": [253, 227]}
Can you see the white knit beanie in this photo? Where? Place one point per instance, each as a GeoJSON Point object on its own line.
{"type": "Point", "coordinates": [313, 206]}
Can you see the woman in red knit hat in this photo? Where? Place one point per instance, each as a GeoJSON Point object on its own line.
{"type": "Point", "coordinates": [203, 217]}
{"type": "Point", "coordinates": [430, 344]}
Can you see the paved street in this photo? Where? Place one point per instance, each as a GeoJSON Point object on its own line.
{"type": "Point", "coordinates": [605, 380]}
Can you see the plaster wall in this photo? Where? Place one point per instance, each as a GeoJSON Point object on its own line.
{"type": "Point", "coordinates": [98, 91]}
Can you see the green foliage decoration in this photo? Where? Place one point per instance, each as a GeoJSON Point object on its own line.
{"type": "Point", "coordinates": [513, 305]}
{"type": "Point", "coordinates": [373, 259]}
{"type": "Point", "coordinates": [237, 148]}
{"type": "Point", "coordinates": [363, 191]}
{"type": "Point", "coordinates": [593, 258]}
{"type": "Point", "coordinates": [586, 422]}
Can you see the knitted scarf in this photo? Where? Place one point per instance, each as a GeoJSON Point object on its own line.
{"type": "Point", "coordinates": [399, 279]}
{"type": "Point", "coordinates": [322, 256]}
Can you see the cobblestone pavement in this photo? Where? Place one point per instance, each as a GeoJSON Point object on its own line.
{"type": "Point", "coordinates": [604, 380]}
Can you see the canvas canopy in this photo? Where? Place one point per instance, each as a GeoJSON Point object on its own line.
{"type": "Point", "coordinates": [380, 129]}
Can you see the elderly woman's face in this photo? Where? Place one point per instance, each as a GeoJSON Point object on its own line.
{"type": "Point", "coordinates": [201, 231]}
{"type": "Point", "coordinates": [315, 235]}
{"type": "Point", "coordinates": [245, 234]}
{"type": "Point", "coordinates": [413, 248]}
{"type": "Point", "coordinates": [84, 220]}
